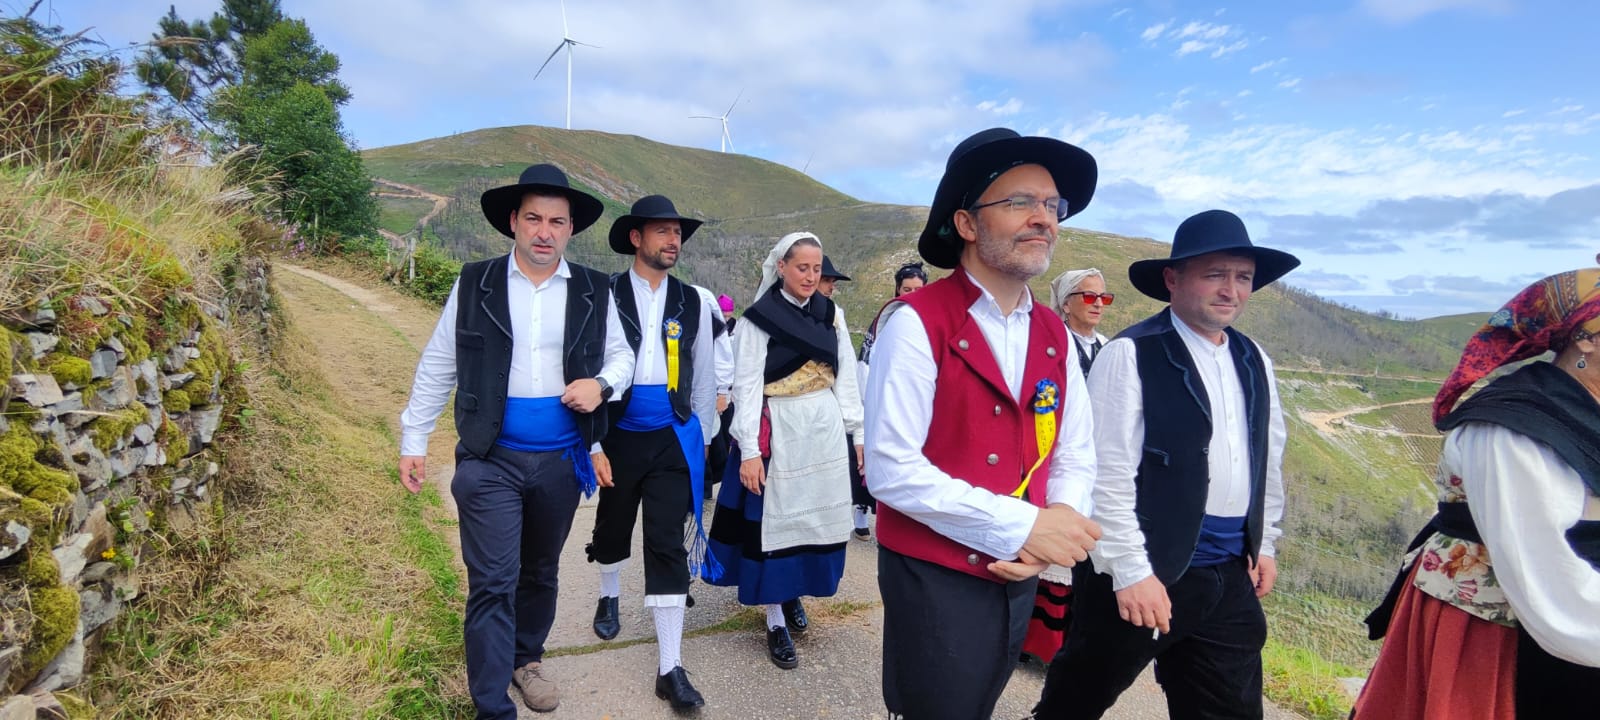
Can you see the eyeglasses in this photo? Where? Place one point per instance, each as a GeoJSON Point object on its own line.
{"type": "Point", "coordinates": [1090, 297]}
{"type": "Point", "coordinates": [1026, 203]}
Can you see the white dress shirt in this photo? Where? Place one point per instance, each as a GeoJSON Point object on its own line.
{"type": "Point", "coordinates": [1119, 441]}
{"type": "Point", "coordinates": [750, 371]}
{"type": "Point", "coordinates": [651, 367]}
{"type": "Point", "coordinates": [724, 344]}
{"type": "Point", "coordinates": [900, 408]}
{"type": "Point", "coordinates": [1523, 498]}
{"type": "Point", "coordinates": [538, 324]}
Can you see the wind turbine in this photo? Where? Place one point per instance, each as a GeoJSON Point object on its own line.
{"type": "Point", "coordinates": [727, 140]}
{"type": "Point", "coordinates": [566, 42]}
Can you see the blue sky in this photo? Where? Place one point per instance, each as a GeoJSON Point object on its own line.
{"type": "Point", "coordinates": [1421, 156]}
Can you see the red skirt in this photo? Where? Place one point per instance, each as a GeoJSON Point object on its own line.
{"type": "Point", "coordinates": [1047, 629]}
{"type": "Point", "coordinates": [1440, 663]}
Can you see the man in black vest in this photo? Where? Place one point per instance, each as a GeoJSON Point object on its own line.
{"type": "Point", "coordinates": [660, 429]}
{"type": "Point", "coordinates": [532, 347]}
{"type": "Point", "coordinates": [1189, 435]}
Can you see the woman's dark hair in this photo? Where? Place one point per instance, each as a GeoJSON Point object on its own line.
{"type": "Point", "coordinates": [910, 270]}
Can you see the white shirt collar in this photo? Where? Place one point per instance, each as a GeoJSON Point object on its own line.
{"type": "Point", "coordinates": [1089, 339]}
{"type": "Point", "coordinates": [642, 282]}
{"type": "Point", "coordinates": [987, 299]}
{"type": "Point", "coordinates": [797, 302]}
{"type": "Point", "coordinates": [515, 270]}
{"type": "Point", "coordinates": [1196, 338]}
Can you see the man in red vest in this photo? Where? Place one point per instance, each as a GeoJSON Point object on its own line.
{"type": "Point", "coordinates": [978, 432]}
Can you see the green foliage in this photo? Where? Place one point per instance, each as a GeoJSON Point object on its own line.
{"type": "Point", "coordinates": [69, 369]}
{"type": "Point", "coordinates": [55, 612]}
{"type": "Point", "coordinates": [285, 55]}
{"type": "Point", "coordinates": [107, 430]}
{"type": "Point", "coordinates": [189, 60]}
{"type": "Point", "coordinates": [40, 569]}
{"type": "Point", "coordinates": [176, 401]}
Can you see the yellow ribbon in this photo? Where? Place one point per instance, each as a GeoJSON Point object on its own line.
{"type": "Point", "coordinates": [674, 331]}
{"type": "Point", "coordinates": [1045, 399]}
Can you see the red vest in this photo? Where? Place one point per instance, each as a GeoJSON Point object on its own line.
{"type": "Point", "coordinates": [979, 434]}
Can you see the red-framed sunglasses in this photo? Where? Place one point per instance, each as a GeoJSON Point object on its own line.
{"type": "Point", "coordinates": [1089, 297]}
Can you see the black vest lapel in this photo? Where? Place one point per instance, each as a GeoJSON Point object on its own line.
{"type": "Point", "coordinates": [627, 308]}
{"type": "Point", "coordinates": [1178, 355]}
{"type": "Point", "coordinates": [496, 303]}
{"type": "Point", "coordinates": [580, 306]}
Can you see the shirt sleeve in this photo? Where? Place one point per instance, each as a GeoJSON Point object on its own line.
{"type": "Point", "coordinates": [750, 367]}
{"type": "Point", "coordinates": [619, 358]}
{"type": "Point", "coordinates": [899, 409]}
{"type": "Point", "coordinates": [1118, 407]}
{"type": "Point", "coordinates": [704, 401]}
{"type": "Point", "coordinates": [1277, 438]}
{"type": "Point", "coordinates": [724, 354]}
{"type": "Point", "coordinates": [844, 386]}
{"type": "Point", "coordinates": [1073, 467]}
{"type": "Point", "coordinates": [435, 379]}
{"type": "Point", "coordinates": [1523, 498]}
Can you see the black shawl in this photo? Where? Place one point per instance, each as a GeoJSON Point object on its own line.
{"type": "Point", "coordinates": [799, 334]}
{"type": "Point", "coordinates": [1545, 403]}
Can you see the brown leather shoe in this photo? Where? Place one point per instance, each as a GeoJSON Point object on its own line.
{"type": "Point", "coordinates": [539, 693]}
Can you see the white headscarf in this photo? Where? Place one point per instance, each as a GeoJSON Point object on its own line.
{"type": "Point", "coordinates": [769, 267]}
{"type": "Point", "coordinates": [1068, 282]}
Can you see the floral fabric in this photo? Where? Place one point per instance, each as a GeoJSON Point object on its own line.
{"type": "Point", "coordinates": [1458, 571]}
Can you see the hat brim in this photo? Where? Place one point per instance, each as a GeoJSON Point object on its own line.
{"type": "Point", "coordinates": [499, 203]}
{"type": "Point", "coordinates": [1072, 168]}
{"type": "Point", "coordinates": [1271, 265]}
{"type": "Point", "coordinates": [622, 245]}
{"type": "Point", "coordinates": [845, 278]}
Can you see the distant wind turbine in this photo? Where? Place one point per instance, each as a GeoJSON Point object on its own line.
{"type": "Point", "coordinates": [566, 42]}
{"type": "Point", "coordinates": [727, 139]}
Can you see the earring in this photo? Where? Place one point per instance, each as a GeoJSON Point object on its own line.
{"type": "Point", "coordinates": [1583, 361]}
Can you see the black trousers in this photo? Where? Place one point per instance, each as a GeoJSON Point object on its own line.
{"type": "Point", "coordinates": [646, 468]}
{"type": "Point", "coordinates": [1209, 665]}
{"type": "Point", "coordinates": [950, 640]}
{"type": "Point", "coordinates": [515, 512]}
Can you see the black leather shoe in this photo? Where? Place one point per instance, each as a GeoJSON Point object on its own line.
{"type": "Point", "coordinates": [794, 614]}
{"type": "Point", "coordinates": [606, 622]}
{"type": "Point", "coordinates": [674, 687]}
{"type": "Point", "coordinates": [863, 533]}
{"type": "Point", "coordinates": [781, 649]}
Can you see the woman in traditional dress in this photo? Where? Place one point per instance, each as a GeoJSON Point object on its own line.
{"type": "Point", "coordinates": [1496, 612]}
{"type": "Point", "coordinates": [1079, 297]}
{"type": "Point", "coordinates": [783, 514]}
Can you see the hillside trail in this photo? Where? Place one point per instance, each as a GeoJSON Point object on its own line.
{"type": "Point", "coordinates": [409, 192]}
{"type": "Point", "coordinates": [724, 649]}
{"type": "Point", "coordinates": [1325, 421]}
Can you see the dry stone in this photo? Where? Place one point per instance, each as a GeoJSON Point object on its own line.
{"type": "Point", "coordinates": [72, 555]}
{"type": "Point", "coordinates": [102, 363]}
{"type": "Point", "coordinates": [42, 343]}
{"type": "Point", "coordinates": [66, 670]}
{"type": "Point", "coordinates": [13, 537]}
{"type": "Point", "coordinates": [18, 707]}
{"type": "Point", "coordinates": [36, 390]}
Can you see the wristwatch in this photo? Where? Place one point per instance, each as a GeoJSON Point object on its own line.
{"type": "Point", "coordinates": [605, 389]}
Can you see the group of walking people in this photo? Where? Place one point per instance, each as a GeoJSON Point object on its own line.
{"type": "Point", "coordinates": [1040, 489]}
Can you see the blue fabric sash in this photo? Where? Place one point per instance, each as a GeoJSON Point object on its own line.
{"type": "Point", "coordinates": [545, 425]}
{"type": "Point", "coordinates": [650, 409]}
{"type": "Point", "coordinates": [1221, 540]}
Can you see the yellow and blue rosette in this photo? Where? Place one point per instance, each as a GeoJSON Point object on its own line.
{"type": "Point", "coordinates": [674, 333]}
{"type": "Point", "coordinates": [1046, 398]}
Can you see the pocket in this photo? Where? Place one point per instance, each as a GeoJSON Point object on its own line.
{"type": "Point", "coordinates": [1160, 457]}
{"type": "Point", "coordinates": [466, 402]}
{"type": "Point", "coordinates": [469, 339]}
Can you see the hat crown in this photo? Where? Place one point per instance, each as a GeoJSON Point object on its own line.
{"type": "Point", "coordinates": [543, 174]}
{"type": "Point", "coordinates": [653, 206]}
{"type": "Point", "coordinates": [978, 139]}
{"type": "Point", "coordinates": [1210, 231]}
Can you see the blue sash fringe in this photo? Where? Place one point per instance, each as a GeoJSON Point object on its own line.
{"type": "Point", "coordinates": [544, 425]}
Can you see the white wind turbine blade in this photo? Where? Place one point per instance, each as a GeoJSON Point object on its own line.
{"type": "Point", "coordinates": [735, 103]}
{"type": "Point", "coordinates": [548, 59]}
{"type": "Point", "coordinates": [565, 35]}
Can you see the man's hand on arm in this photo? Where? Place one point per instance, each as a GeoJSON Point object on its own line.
{"type": "Point", "coordinates": [1145, 604]}
{"type": "Point", "coordinates": [602, 469]}
{"type": "Point", "coordinates": [1062, 536]}
{"type": "Point", "coordinates": [1024, 567]}
{"type": "Point", "coordinates": [413, 470]}
{"type": "Point", "coordinates": [582, 395]}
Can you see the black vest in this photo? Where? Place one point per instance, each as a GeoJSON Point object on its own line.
{"type": "Point", "coordinates": [1174, 469]}
{"type": "Point", "coordinates": [682, 303]}
{"type": "Point", "coordinates": [483, 348]}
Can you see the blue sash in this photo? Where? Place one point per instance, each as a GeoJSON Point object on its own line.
{"type": "Point", "coordinates": [544, 425]}
{"type": "Point", "coordinates": [649, 408]}
{"type": "Point", "coordinates": [1221, 540]}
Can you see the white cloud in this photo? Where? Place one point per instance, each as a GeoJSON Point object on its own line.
{"type": "Point", "coordinates": [1120, 13]}
{"type": "Point", "coordinates": [1399, 12]}
{"type": "Point", "coordinates": [1198, 37]}
{"type": "Point", "coordinates": [1009, 107]}
{"type": "Point", "coordinates": [1246, 93]}
{"type": "Point", "coordinates": [1290, 84]}
{"type": "Point", "coordinates": [1268, 65]}
{"type": "Point", "coordinates": [1513, 113]}
{"type": "Point", "coordinates": [1153, 32]}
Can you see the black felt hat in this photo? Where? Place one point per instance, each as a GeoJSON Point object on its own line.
{"type": "Point", "coordinates": [978, 160]}
{"type": "Point", "coordinates": [499, 203]}
{"type": "Point", "coordinates": [1205, 233]}
{"type": "Point", "coordinates": [649, 207]}
{"type": "Point", "coordinates": [828, 271]}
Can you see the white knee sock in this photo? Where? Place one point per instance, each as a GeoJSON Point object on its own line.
{"type": "Point", "coordinates": [775, 617]}
{"type": "Point", "coordinates": [669, 637]}
{"type": "Point", "coordinates": [861, 518]}
{"type": "Point", "coordinates": [611, 579]}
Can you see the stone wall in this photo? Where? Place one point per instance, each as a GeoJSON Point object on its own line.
{"type": "Point", "coordinates": [107, 422]}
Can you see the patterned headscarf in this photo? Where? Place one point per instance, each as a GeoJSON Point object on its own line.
{"type": "Point", "coordinates": [1547, 315]}
{"type": "Point", "coordinates": [1067, 282]}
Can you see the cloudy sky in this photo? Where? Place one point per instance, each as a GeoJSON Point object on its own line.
{"type": "Point", "coordinates": [1421, 156]}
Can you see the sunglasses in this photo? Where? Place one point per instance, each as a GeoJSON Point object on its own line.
{"type": "Point", "coordinates": [1089, 297]}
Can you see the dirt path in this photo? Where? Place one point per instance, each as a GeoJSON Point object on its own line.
{"type": "Point", "coordinates": [1332, 422]}
{"type": "Point", "coordinates": [414, 192]}
{"type": "Point", "coordinates": [368, 338]}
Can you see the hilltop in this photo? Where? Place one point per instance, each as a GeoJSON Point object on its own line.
{"type": "Point", "coordinates": [749, 202]}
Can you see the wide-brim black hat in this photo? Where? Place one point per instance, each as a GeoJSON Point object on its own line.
{"type": "Point", "coordinates": [498, 203]}
{"type": "Point", "coordinates": [828, 270]}
{"type": "Point", "coordinates": [983, 157]}
{"type": "Point", "coordinates": [1203, 234]}
{"type": "Point", "coordinates": [649, 207]}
